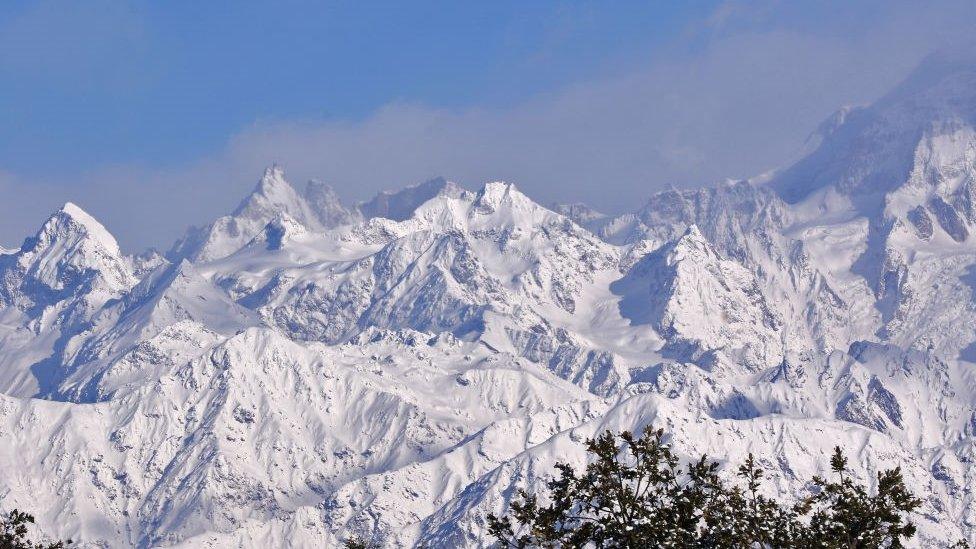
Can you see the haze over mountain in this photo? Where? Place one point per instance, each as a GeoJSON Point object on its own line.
{"type": "Point", "coordinates": [302, 370]}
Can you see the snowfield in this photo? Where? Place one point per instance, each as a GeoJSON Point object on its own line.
{"type": "Point", "coordinates": [300, 371]}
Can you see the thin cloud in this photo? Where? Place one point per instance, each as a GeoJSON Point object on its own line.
{"type": "Point", "coordinates": [742, 103]}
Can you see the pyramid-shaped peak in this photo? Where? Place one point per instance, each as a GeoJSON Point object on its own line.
{"type": "Point", "coordinates": [693, 234]}
{"type": "Point", "coordinates": [225, 235]}
{"type": "Point", "coordinates": [74, 210]}
{"type": "Point", "coordinates": [72, 219]}
{"type": "Point", "coordinates": [71, 252]}
{"type": "Point", "coordinates": [273, 184]}
{"type": "Point", "coordinates": [692, 243]}
{"type": "Point", "coordinates": [273, 194]}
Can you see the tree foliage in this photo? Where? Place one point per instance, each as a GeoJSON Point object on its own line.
{"type": "Point", "coordinates": [639, 495]}
{"type": "Point", "coordinates": [356, 542]}
{"type": "Point", "coordinates": [843, 510]}
{"type": "Point", "coordinates": [14, 530]}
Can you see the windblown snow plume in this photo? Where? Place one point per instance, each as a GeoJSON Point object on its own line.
{"type": "Point", "coordinates": [301, 371]}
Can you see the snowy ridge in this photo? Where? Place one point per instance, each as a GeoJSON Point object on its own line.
{"type": "Point", "coordinates": [299, 371]}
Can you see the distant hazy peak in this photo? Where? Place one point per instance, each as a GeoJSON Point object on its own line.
{"type": "Point", "coordinates": [327, 206]}
{"type": "Point", "coordinates": [831, 124]}
{"type": "Point", "coordinates": [943, 79]}
{"type": "Point", "coordinates": [578, 212]}
{"type": "Point", "coordinates": [400, 205]}
{"type": "Point", "coordinates": [868, 152]}
{"type": "Point", "coordinates": [317, 188]}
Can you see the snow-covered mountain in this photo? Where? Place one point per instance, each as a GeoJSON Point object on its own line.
{"type": "Point", "coordinates": [300, 370]}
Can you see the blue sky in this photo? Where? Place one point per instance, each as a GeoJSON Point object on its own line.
{"type": "Point", "coordinates": [162, 83]}
{"type": "Point", "coordinates": [154, 115]}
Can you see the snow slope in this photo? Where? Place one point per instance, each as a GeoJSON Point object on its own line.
{"type": "Point", "coordinates": [300, 371]}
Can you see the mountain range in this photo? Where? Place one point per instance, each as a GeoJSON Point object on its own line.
{"type": "Point", "coordinates": [301, 371]}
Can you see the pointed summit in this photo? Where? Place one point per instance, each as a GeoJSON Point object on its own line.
{"type": "Point", "coordinates": [71, 256]}
{"type": "Point", "coordinates": [705, 306]}
{"type": "Point", "coordinates": [693, 241]}
{"type": "Point", "coordinates": [71, 209]}
{"type": "Point", "coordinates": [272, 182]}
{"type": "Point", "coordinates": [90, 225]}
{"type": "Point", "coordinates": [272, 196]}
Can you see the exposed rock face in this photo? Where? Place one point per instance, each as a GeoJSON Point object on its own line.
{"type": "Point", "coordinates": [920, 219]}
{"type": "Point", "coordinates": [949, 219]}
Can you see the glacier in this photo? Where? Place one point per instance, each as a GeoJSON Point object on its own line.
{"type": "Point", "coordinates": [300, 371]}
